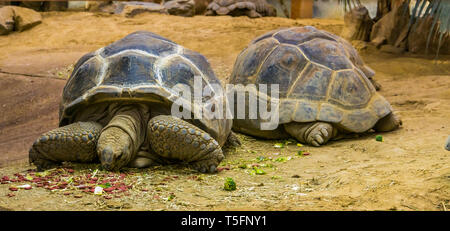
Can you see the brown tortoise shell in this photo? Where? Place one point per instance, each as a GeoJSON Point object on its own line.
{"type": "Point", "coordinates": [321, 77]}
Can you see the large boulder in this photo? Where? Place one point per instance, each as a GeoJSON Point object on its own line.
{"type": "Point", "coordinates": [6, 20]}
{"type": "Point", "coordinates": [25, 19]}
{"type": "Point", "coordinates": [184, 8]}
{"type": "Point", "coordinates": [14, 18]}
{"type": "Point", "coordinates": [131, 9]}
{"type": "Point", "coordinates": [358, 24]}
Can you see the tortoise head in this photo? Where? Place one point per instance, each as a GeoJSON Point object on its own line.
{"type": "Point", "coordinates": [114, 148]}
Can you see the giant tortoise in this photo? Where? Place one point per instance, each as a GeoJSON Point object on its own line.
{"type": "Point", "coordinates": [325, 89]}
{"type": "Point", "coordinates": [250, 8]}
{"type": "Point", "coordinates": [116, 108]}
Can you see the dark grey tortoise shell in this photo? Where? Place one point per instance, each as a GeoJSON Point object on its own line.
{"type": "Point", "coordinates": [141, 67]}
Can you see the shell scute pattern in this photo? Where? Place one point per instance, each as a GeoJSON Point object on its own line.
{"type": "Point", "coordinates": [299, 35]}
{"type": "Point", "coordinates": [282, 66]}
{"type": "Point", "coordinates": [313, 83]}
{"type": "Point", "coordinates": [81, 79]}
{"type": "Point", "coordinates": [201, 63]}
{"type": "Point", "coordinates": [264, 36]}
{"type": "Point", "coordinates": [130, 69]}
{"type": "Point", "coordinates": [177, 71]}
{"type": "Point", "coordinates": [327, 53]}
{"type": "Point", "coordinates": [143, 41]}
{"type": "Point", "coordinates": [346, 85]}
{"type": "Point", "coordinates": [327, 81]}
{"type": "Point", "coordinates": [127, 68]}
{"type": "Point", "coordinates": [253, 58]}
{"type": "Point", "coordinates": [141, 67]}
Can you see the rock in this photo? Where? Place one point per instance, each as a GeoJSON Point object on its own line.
{"type": "Point", "coordinates": [358, 24]}
{"type": "Point", "coordinates": [6, 20]}
{"type": "Point", "coordinates": [418, 36]}
{"type": "Point", "coordinates": [104, 7]}
{"type": "Point", "coordinates": [131, 9]}
{"type": "Point", "coordinates": [184, 8]}
{"type": "Point", "coordinates": [14, 18]}
{"type": "Point", "coordinates": [390, 29]}
{"type": "Point", "coordinates": [25, 18]}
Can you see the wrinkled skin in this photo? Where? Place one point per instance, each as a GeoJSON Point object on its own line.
{"type": "Point", "coordinates": [130, 138]}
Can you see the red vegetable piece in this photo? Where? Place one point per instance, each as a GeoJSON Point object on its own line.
{"type": "Point", "coordinates": [110, 189]}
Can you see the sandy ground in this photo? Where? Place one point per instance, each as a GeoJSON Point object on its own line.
{"type": "Point", "coordinates": [409, 170]}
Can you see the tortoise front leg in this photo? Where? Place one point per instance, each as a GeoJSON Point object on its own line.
{"type": "Point", "coordinates": [316, 133]}
{"type": "Point", "coordinates": [176, 139]}
{"type": "Point", "coordinates": [75, 142]}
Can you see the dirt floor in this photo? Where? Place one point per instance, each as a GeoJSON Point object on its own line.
{"type": "Point", "coordinates": [409, 170]}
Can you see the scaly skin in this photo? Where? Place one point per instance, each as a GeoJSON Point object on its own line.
{"type": "Point", "coordinates": [176, 139]}
{"type": "Point", "coordinates": [119, 143]}
{"type": "Point", "coordinates": [316, 133]}
{"type": "Point", "coordinates": [75, 142]}
{"type": "Point", "coordinates": [121, 139]}
{"type": "Point", "coordinates": [388, 123]}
